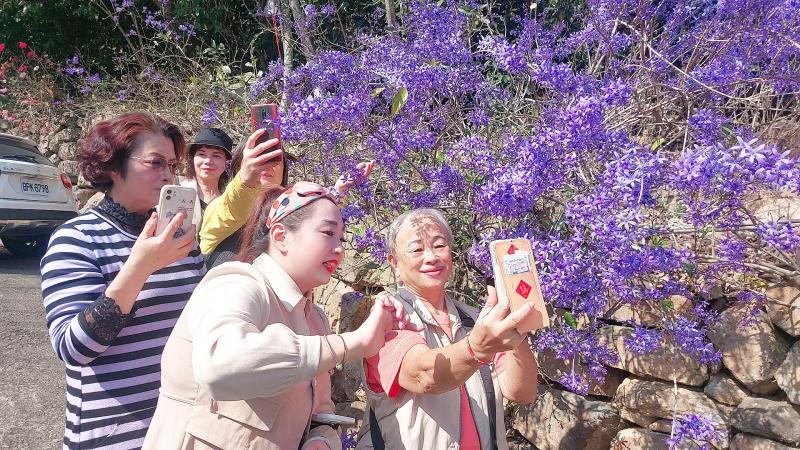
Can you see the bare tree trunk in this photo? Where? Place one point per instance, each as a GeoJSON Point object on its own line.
{"type": "Point", "coordinates": [391, 15]}
{"type": "Point", "coordinates": [302, 32]}
{"type": "Point", "coordinates": [288, 50]}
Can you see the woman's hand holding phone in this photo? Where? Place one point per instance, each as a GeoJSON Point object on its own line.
{"type": "Point", "coordinates": [496, 328]}
{"type": "Point", "coordinates": [152, 251]}
{"type": "Point", "coordinates": [255, 161]}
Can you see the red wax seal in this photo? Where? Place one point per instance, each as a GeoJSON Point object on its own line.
{"type": "Point", "coordinates": [512, 249]}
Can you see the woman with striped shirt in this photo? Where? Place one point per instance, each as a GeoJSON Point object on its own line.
{"type": "Point", "coordinates": [112, 288]}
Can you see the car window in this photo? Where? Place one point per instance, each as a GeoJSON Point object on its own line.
{"type": "Point", "coordinates": [18, 152]}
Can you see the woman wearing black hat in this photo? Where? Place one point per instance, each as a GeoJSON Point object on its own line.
{"type": "Point", "coordinates": [206, 172]}
{"type": "Point", "coordinates": [255, 168]}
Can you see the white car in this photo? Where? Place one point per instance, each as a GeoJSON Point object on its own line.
{"type": "Point", "coordinates": [35, 197]}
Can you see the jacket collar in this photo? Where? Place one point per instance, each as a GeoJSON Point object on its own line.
{"type": "Point", "coordinates": [423, 312]}
{"type": "Point", "coordinates": [281, 283]}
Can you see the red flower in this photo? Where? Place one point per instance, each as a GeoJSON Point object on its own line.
{"type": "Point", "coordinates": [23, 45]}
{"type": "Point", "coordinates": [2, 46]}
{"type": "Point", "coordinates": [30, 54]}
{"type": "Point", "coordinates": [22, 68]}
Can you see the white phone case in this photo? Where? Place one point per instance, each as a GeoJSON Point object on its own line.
{"type": "Point", "coordinates": [174, 199]}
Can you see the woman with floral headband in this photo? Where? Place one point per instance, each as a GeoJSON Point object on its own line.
{"type": "Point", "coordinates": [249, 371]}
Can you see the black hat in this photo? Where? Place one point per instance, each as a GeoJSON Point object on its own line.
{"type": "Point", "coordinates": [213, 137]}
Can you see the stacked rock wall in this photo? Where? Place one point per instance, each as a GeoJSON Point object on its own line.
{"type": "Point", "coordinates": [754, 394]}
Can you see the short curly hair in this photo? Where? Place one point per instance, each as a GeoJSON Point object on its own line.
{"type": "Point", "coordinates": [109, 144]}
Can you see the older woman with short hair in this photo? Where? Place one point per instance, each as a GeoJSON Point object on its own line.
{"type": "Point", "coordinates": [443, 387]}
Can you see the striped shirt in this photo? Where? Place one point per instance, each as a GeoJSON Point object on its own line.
{"type": "Point", "coordinates": [112, 384]}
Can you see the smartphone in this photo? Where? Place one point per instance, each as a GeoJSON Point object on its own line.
{"type": "Point", "coordinates": [174, 199]}
{"type": "Point", "coordinates": [516, 280]}
{"type": "Point", "coordinates": [266, 116]}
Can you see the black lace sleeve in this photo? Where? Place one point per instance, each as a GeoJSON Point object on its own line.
{"type": "Point", "coordinates": [105, 319]}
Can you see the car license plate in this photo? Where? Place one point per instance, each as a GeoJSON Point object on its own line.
{"type": "Point", "coordinates": [35, 188]}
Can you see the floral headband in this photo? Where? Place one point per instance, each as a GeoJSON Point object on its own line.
{"type": "Point", "coordinates": [295, 197]}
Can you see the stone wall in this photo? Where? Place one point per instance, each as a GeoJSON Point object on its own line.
{"type": "Point", "coordinates": [754, 393]}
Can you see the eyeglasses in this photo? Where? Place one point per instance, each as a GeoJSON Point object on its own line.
{"type": "Point", "coordinates": [158, 164]}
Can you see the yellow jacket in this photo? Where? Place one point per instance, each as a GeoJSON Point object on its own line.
{"type": "Point", "coordinates": [226, 214]}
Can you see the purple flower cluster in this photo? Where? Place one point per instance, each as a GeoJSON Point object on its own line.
{"type": "Point", "coordinates": [151, 74]}
{"type": "Point", "coordinates": [209, 116]}
{"type": "Point", "coordinates": [264, 83]}
{"type": "Point", "coordinates": [715, 180]}
{"type": "Point", "coordinates": [349, 440]}
{"type": "Point", "coordinates": [643, 340]}
{"type": "Point", "coordinates": [690, 335]}
{"type": "Point", "coordinates": [575, 382]}
{"type": "Point", "coordinates": [505, 55]}
{"type": "Point", "coordinates": [328, 10]}
{"type": "Point", "coordinates": [754, 301]}
{"type": "Point", "coordinates": [695, 429]}
{"type": "Point", "coordinates": [707, 126]}
{"type": "Point", "coordinates": [572, 344]}
{"type": "Point", "coordinates": [570, 138]}
{"type": "Point", "coordinates": [372, 243]}
{"type": "Point", "coordinates": [84, 81]}
{"type": "Point", "coordinates": [74, 67]}
{"type": "Point", "coordinates": [780, 235]}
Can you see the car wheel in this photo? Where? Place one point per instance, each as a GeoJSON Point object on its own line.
{"type": "Point", "coordinates": [26, 245]}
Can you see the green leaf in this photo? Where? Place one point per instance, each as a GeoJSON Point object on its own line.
{"type": "Point", "coordinates": [399, 100]}
{"type": "Point", "coordinates": [226, 69]}
{"type": "Point", "coordinates": [667, 305]}
{"type": "Point", "coordinates": [658, 241]}
{"type": "Point", "coordinates": [570, 320]}
{"type": "Point", "coordinates": [690, 269]}
{"type": "Point", "coordinates": [657, 143]}
{"type": "Point", "coordinates": [378, 91]}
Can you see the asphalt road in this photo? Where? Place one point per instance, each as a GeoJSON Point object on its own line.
{"type": "Point", "coordinates": [31, 376]}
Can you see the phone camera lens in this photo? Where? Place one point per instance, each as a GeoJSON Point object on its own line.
{"type": "Point", "coordinates": [169, 191]}
{"type": "Point", "coordinates": [169, 198]}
